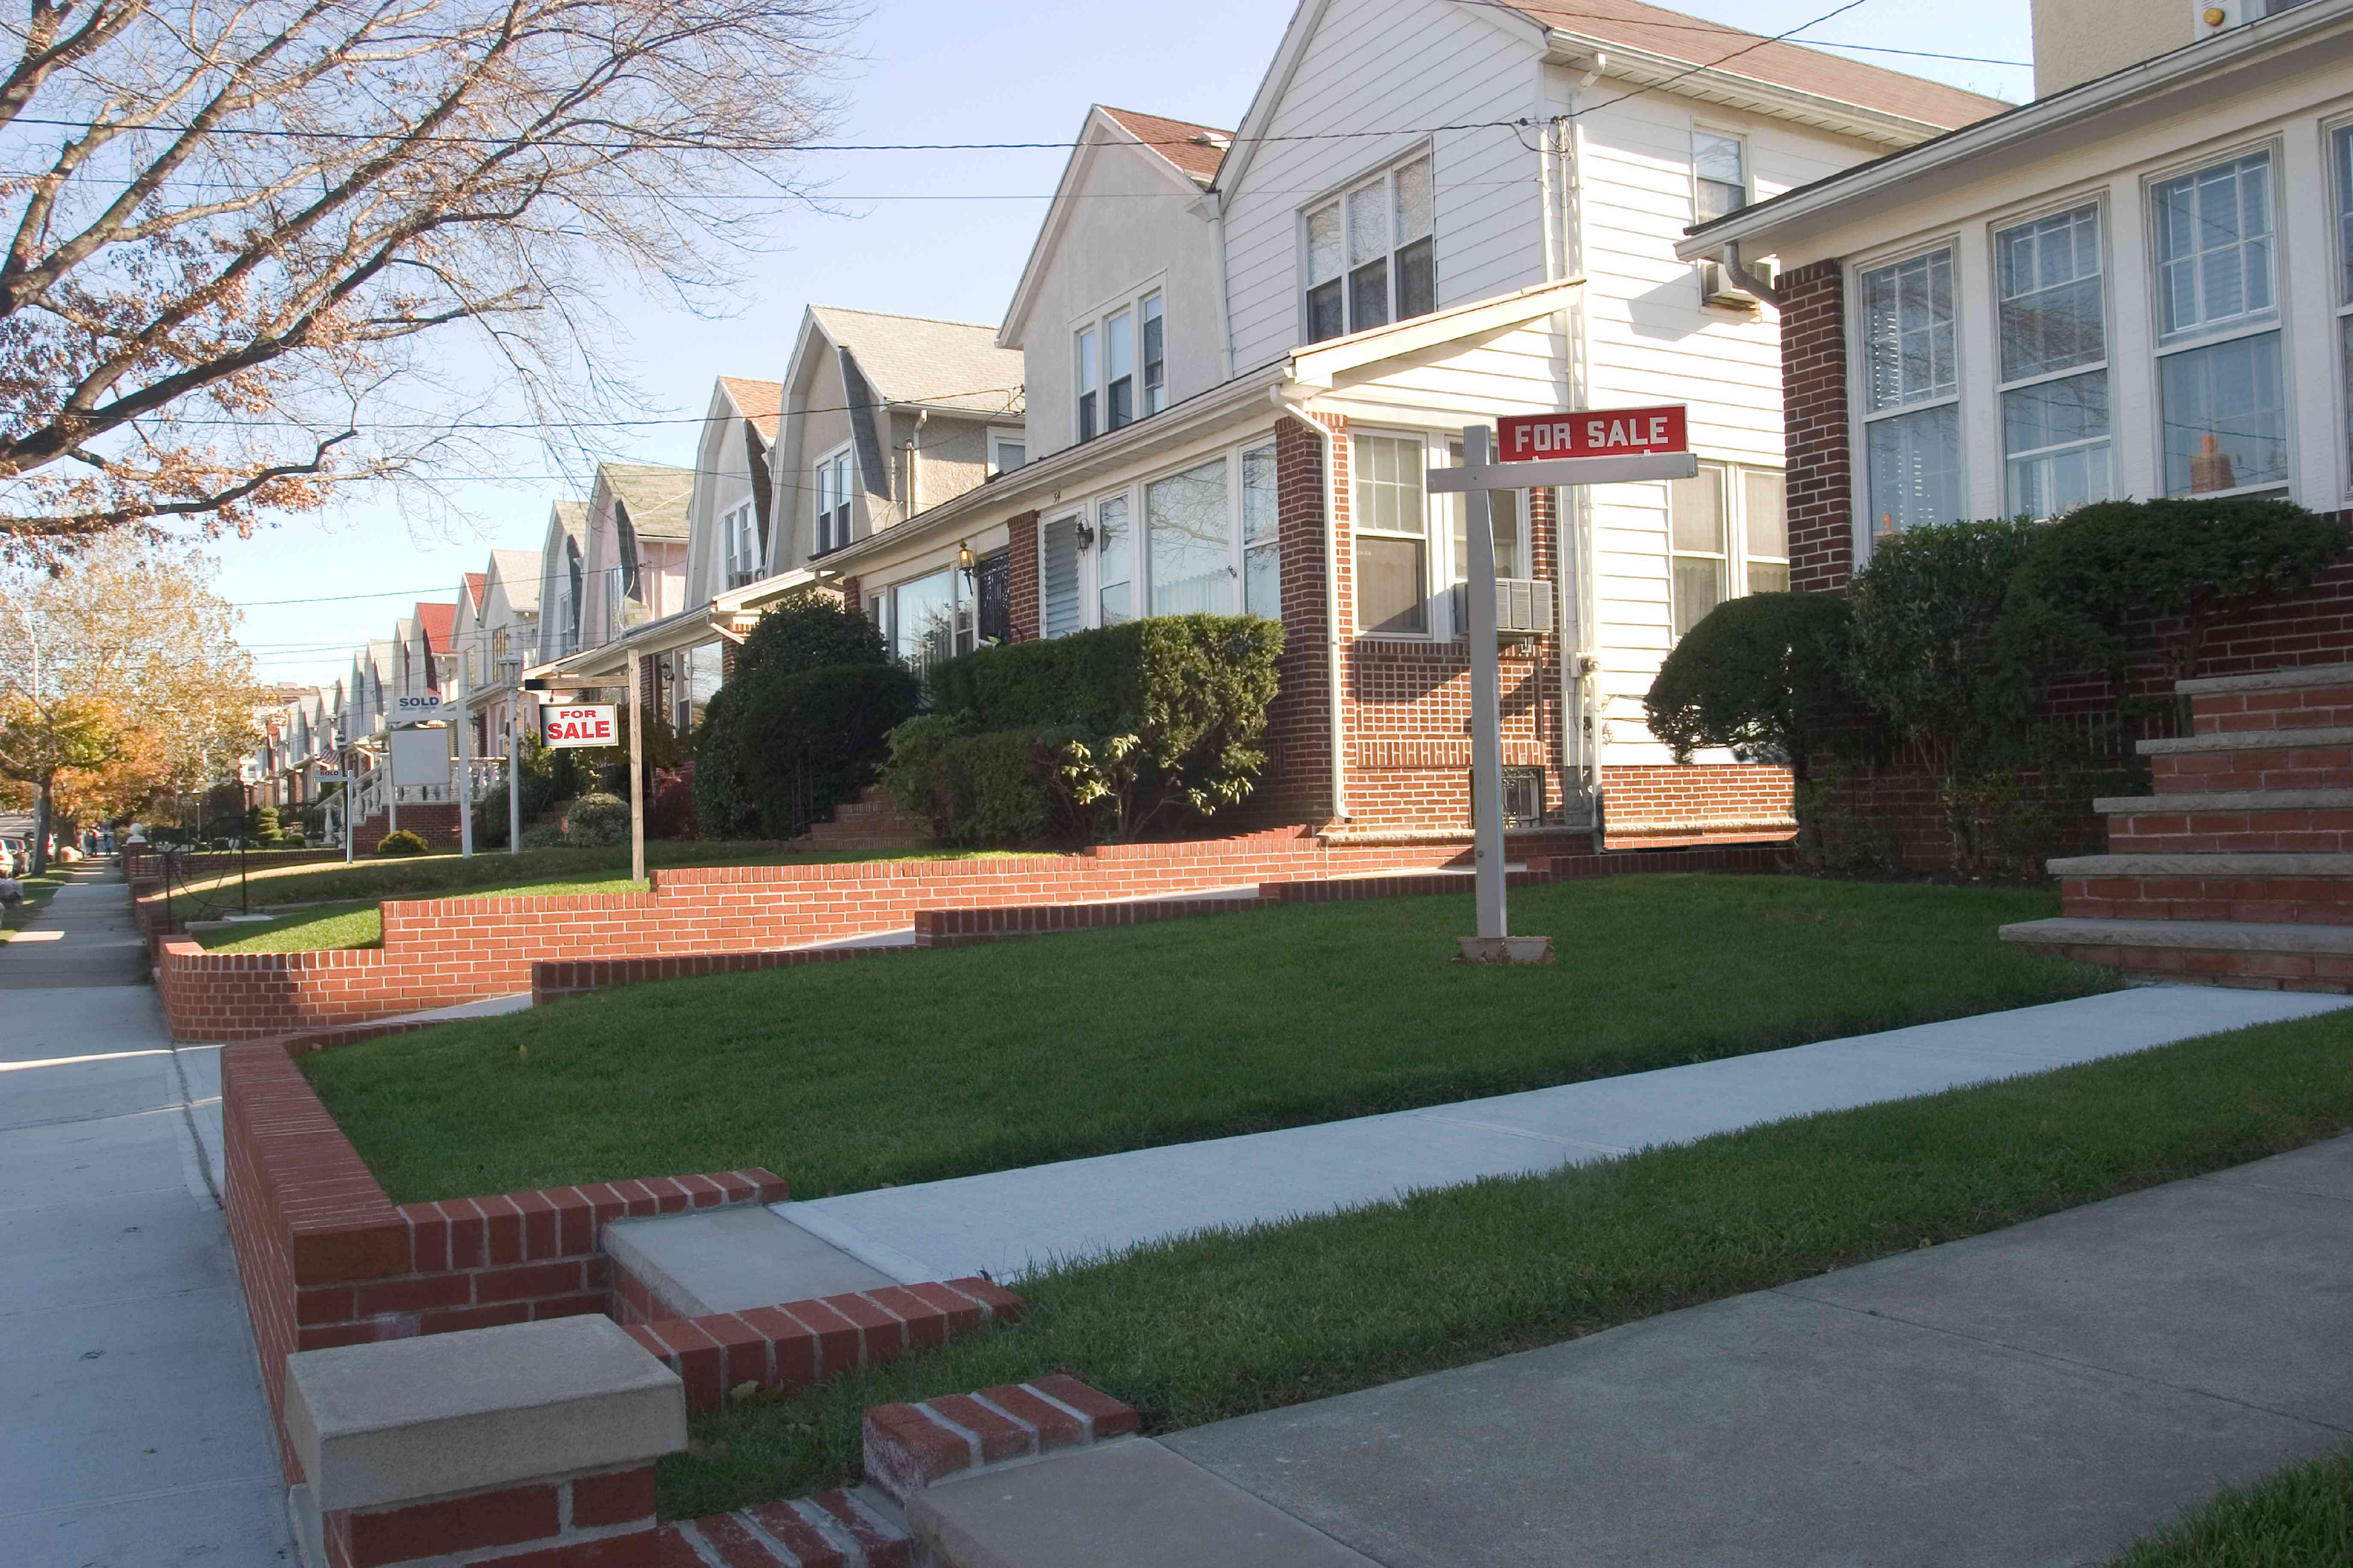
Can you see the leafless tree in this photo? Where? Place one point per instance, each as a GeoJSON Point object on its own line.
{"type": "Point", "coordinates": [240, 232]}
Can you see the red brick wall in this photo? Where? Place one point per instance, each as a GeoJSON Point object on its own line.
{"type": "Point", "coordinates": [437, 825]}
{"type": "Point", "coordinates": [438, 952]}
{"type": "Point", "coordinates": [1297, 783]}
{"type": "Point", "coordinates": [1730, 797]}
{"type": "Point", "coordinates": [326, 1258]}
{"type": "Point", "coordinates": [1021, 569]}
{"type": "Point", "coordinates": [1814, 417]}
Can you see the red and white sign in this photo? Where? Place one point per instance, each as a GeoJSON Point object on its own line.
{"type": "Point", "coordinates": [1592, 433]}
{"type": "Point", "coordinates": [580, 724]}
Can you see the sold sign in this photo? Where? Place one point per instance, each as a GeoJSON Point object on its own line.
{"type": "Point", "coordinates": [1594, 433]}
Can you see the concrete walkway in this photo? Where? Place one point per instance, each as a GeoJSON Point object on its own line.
{"type": "Point", "coordinates": [1007, 1223]}
{"type": "Point", "coordinates": [2036, 1396]}
{"type": "Point", "coordinates": [132, 1430]}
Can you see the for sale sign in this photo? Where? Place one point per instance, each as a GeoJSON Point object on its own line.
{"type": "Point", "coordinates": [580, 724]}
{"type": "Point", "coordinates": [1592, 433]}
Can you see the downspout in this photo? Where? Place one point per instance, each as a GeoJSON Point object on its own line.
{"type": "Point", "coordinates": [1581, 674]}
{"type": "Point", "coordinates": [914, 459]}
{"type": "Point", "coordinates": [1331, 597]}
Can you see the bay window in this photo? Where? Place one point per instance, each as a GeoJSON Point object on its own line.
{"type": "Point", "coordinates": [2052, 313]}
{"type": "Point", "coordinates": [2219, 386]}
{"type": "Point", "coordinates": [835, 482]}
{"type": "Point", "coordinates": [1912, 431]}
{"type": "Point", "coordinates": [1370, 253]}
{"type": "Point", "coordinates": [1201, 541]}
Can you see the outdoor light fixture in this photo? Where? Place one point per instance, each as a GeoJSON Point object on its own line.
{"type": "Point", "coordinates": [1086, 537]}
{"type": "Point", "coordinates": [964, 554]}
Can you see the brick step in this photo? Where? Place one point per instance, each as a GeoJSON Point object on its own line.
{"type": "Point", "coordinates": [2261, 889]}
{"type": "Point", "coordinates": [2252, 760]}
{"type": "Point", "coordinates": [2305, 697]}
{"type": "Point", "coordinates": [858, 1529]}
{"type": "Point", "coordinates": [2269, 956]}
{"type": "Point", "coordinates": [2317, 821]}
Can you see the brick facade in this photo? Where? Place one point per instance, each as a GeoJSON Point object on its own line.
{"type": "Point", "coordinates": [1021, 575]}
{"type": "Point", "coordinates": [1814, 415]}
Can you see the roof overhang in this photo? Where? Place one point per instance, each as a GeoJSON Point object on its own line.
{"type": "Point", "coordinates": [1649, 68]}
{"type": "Point", "coordinates": [2247, 47]}
{"type": "Point", "coordinates": [729, 617]}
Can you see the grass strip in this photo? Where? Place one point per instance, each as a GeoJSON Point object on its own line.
{"type": "Point", "coordinates": [2300, 1516]}
{"type": "Point", "coordinates": [1227, 1323]}
{"type": "Point", "coordinates": [38, 892]}
{"type": "Point", "coordinates": [843, 1077]}
{"type": "Point", "coordinates": [315, 927]}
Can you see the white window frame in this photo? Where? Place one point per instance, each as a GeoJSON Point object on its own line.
{"type": "Point", "coordinates": [1747, 169]}
{"type": "Point", "coordinates": [840, 465]}
{"type": "Point", "coordinates": [1740, 558]}
{"type": "Point", "coordinates": [1087, 513]}
{"type": "Point", "coordinates": [1437, 535]}
{"type": "Point", "coordinates": [1336, 198]}
{"type": "Point", "coordinates": [740, 530]}
{"type": "Point", "coordinates": [2097, 198]}
{"type": "Point", "coordinates": [1861, 415]}
{"type": "Point", "coordinates": [2240, 328]}
{"type": "Point", "coordinates": [997, 441]}
{"type": "Point", "coordinates": [2337, 158]}
{"type": "Point", "coordinates": [1097, 323]}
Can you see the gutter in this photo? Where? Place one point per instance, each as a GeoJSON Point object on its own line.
{"type": "Point", "coordinates": [2022, 124]}
{"type": "Point", "coordinates": [1331, 441]}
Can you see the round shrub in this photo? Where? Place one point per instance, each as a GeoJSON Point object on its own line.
{"type": "Point", "coordinates": [597, 819]}
{"type": "Point", "coordinates": [402, 842]}
{"type": "Point", "coordinates": [812, 632]}
{"type": "Point", "coordinates": [1924, 645]}
{"type": "Point", "coordinates": [1760, 675]}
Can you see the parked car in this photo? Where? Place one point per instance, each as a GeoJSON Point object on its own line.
{"type": "Point", "coordinates": [16, 857]}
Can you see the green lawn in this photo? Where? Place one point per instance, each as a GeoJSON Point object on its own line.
{"type": "Point", "coordinates": [434, 876]}
{"type": "Point", "coordinates": [914, 1067]}
{"type": "Point", "coordinates": [313, 927]}
{"type": "Point", "coordinates": [1224, 1324]}
{"type": "Point", "coordinates": [2301, 1517]}
{"type": "Point", "coordinates": [38, 892]}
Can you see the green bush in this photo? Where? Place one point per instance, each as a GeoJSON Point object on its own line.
{"type": "Point", "coordinates": [267, 829]}
{"type": "Point", "coordinates": [1925, 648]}
{"type": "Point", "coordinates": [1130, 730]}
{"type": "Point", "coordinates": [810, 633]}
{"type": "Point", "coordinates": [780, 748]}
{"type": "Point", "coordinates": [2095, 576]}
{"type": "Point", "coordinates": [597, 819]}
{"type": "Point", "coordinates": [401, 841]}
{"type": "Point", "coordinates": [976, 788]}
{"type": "Point", "coordinates": [1760, 675]}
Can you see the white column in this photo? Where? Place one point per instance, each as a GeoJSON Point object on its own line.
{"type": "Point", "coordinates": [637, 766]}
{"type": "Point", "coordinates": [465, 768]}
{"type": "Point", "coordinates": [1487, 702]}
{"type": "Point", "coordinates": [514, 778]}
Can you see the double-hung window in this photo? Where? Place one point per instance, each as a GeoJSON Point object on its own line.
{"type": "Point", "coordinates": [1007, 451]}
{"type": "Point", "coordinates": [1122, 367]}
{"type": "Point", "coordinates": [2219, 386]}
{"type": "Point", "coordinates": [836, 482]}
{"type": "Point", "coordinates": [1391, 520]}
{"type": "Point", "coordinates": [740, 529]}
{"type": "Point", "coordinates": [1729, 533]}
{"type": "Point", "coordinates": [2341, 143]}
{"type": "Point", "coordinates": [2053, 307]}
{"type": "Point", "coordinates": [1719, 175]}
{"type": "Point", "coordinates": [1371, 257]}
{"type": "Point", "coordinates": [1911, 429]}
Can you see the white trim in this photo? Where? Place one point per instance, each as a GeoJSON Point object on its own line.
{"type": "Point", "coordinates": [845, 503]}
{"type": "Point", "coordinates": [1000, 436]}
{"type": "Point", "coordinates": [1337, 196]}
{"type": "Point", "coordinates": [2038, 212]}
{"type": "Point", "coordinates": [1861, 416]}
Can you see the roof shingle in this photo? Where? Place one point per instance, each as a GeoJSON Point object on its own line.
{"type": "Point", "coordinates": [1195, 150]}
{"type": "Point", "coordinates": [911, 359]}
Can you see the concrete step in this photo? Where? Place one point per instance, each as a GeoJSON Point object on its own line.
{"type": "Point", "coordinates": [2247, 741]}
{"type": "Point", "coordinates": [856, 1529]}
{"type": "Point", "coordinates": [2202, 865]}
{"type": "Point", "coordinates": [2289, 680]}
{"type": "Point", "coordinates": [2225, 800]}
{"type": "Point", "coordinates": [2320, 758]}
{"type": "Point", "coordinates": [2280, 889]}
{"type": "Point", "coordinates": [729, 1260]}
{"type": "Point", "coordinates": [2315, 821]}
{"type": "Point", "coordinates": [2266, 956]}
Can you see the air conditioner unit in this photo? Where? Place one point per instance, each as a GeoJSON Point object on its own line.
{"type": "Point", "coordinates": [1522, 607]}
{"type": "Point", "coordinates": [1716, 285]}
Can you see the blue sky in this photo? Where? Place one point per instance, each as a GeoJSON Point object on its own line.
{"type": "Point", "coordinates": [931, 234]}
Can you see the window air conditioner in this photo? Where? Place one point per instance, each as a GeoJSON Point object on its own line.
{"type": "Point", "coordinates": [1522, 607]}
{"type": "Point", "coordinates": [1716, 285]}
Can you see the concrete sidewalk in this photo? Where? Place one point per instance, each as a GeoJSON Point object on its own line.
{"type": "Point", "coordinates": [2039, 1396]}
{"type": "Point", "coordinates": [1007, 1223]}
{"type": "Point", "coordinates": [132, 1430]}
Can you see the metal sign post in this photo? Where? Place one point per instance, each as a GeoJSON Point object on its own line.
{"type": "Point", "coordinates": [1590, 448]}
{"type": "Point", "coordinates": [464, 766]}
{"type": "Point", "coordinates": [514, 778]}
{"type": "Point", "coordinates": [637, 766]}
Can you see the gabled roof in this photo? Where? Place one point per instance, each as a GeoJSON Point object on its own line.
{"type": "Point", "coordinates": [761, 402]}
{"type": "Point", "coordinates": [518, 573]}
{"type": "Point", "coordinates": [655, 494]}
{"type": "Point", "coordinates": [1697, 41]}
{"type": "Point", "coordinates": [572, 516]}
{"type": "Point", "coordinates": [1195, 150]}
{"type": "Point", "coordinates": [436, 621]}
{"type": "Point", "coordinates": [915, 360]}
{"type": "Point", "coordinates": [475, 582]}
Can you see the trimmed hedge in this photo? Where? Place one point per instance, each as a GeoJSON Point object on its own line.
{"type": "Point", "coordinates": [1108, 734]}
{"type": "Point", "coordinates": [1759, 673]}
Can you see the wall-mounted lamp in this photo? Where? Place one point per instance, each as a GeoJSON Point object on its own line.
{"type": "Point", "coordinates": [1086, 536]}
{"type": "Point", "coordinates": [964, 555]}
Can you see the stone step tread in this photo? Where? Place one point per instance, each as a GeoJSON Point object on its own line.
{"type": "Point", "coordinates": [2227, 863]}
{"type": "Point", "coordinates": [2224, 801]}
{"type": "Point", "coordinates": [2268, 680]}
{"type": "Point", "coordinates": [858, 1529]}
{"type": "Point", "coordinates": [2249, 740]}
{"type": "Point", "coordinates": [2213, 936]}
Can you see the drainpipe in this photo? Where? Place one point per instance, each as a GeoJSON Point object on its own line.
{"type": "Point", "coordinates": [1331, 597]}
{"type": "Point", "coordinates": [914, 456]}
